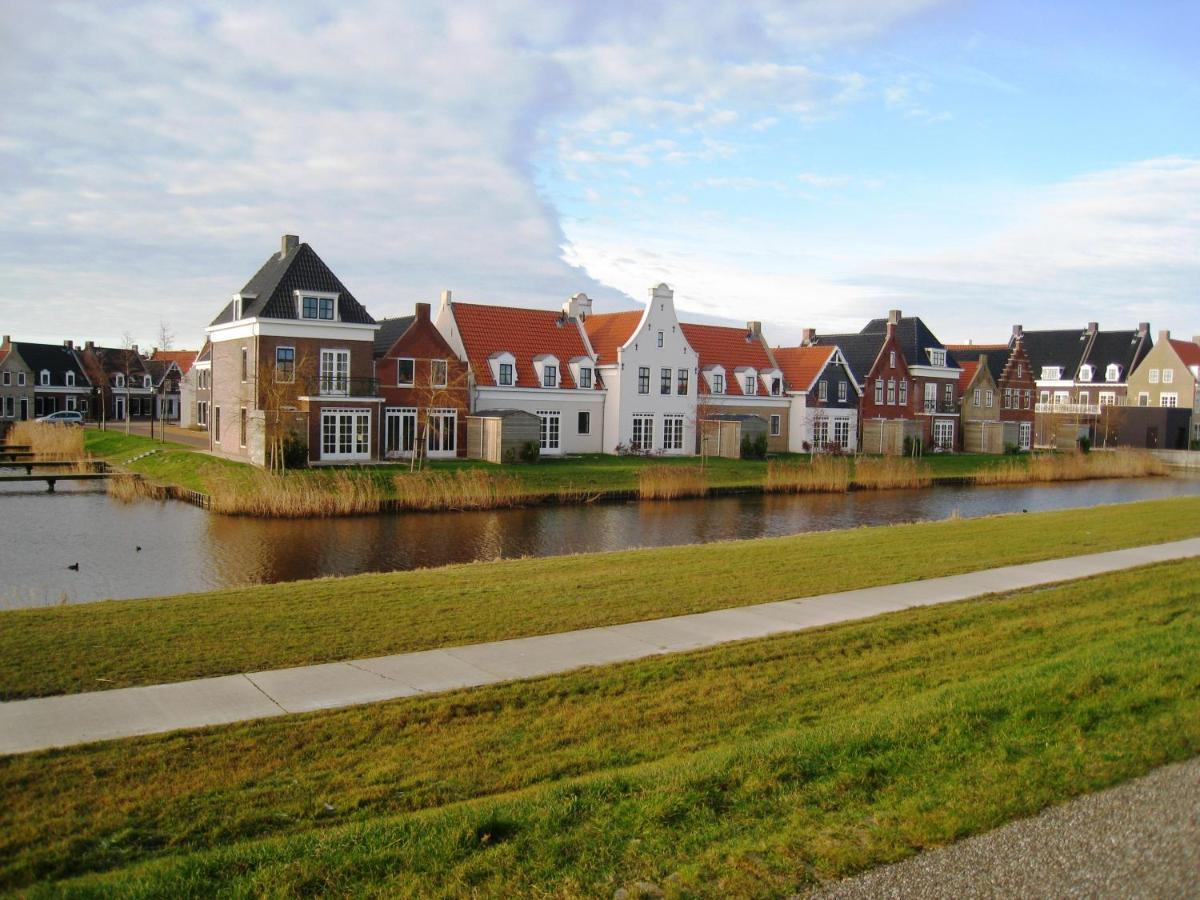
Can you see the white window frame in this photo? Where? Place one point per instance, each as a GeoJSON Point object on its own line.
{"type": "Point", "coordinates": [1112, 373]}
{"type": "Point", "coordinates": [822, 390]}
{"type": "Point", "coordinates": [673, 431]}
{"type": "Point", "coordinates": [1051, 373]}
{"type": "Point", "coordinates": [550, 434]}
{"type": "Point", "coordinates": [400, 423]}
{"type": "Point", "coordinates": [841, 433]}
{"type": "Point", "coordinates": [585, 377]}
{"type": "Point", "coordinates": [1025, 436]}
{"type": "Point", "coordinates": [44, 378]}
{"type": "Point", "coordinates": [334, 380]}
{"type": "Point", "coordinates": [1168, 398]}
{"type": "Point", "coordinates": [70, 379]}
{"type": "Point", "coordinates": [843, 391]}
{"type": "Point", "coordinates": [345, 446]}
{"type": "Point", "coordinates": [1154, 376]}
{"type": "Point", "coordinates": [946, 429]}
{"type": "Point", "coordinates": [320, 297]}
{"type": "Point", "coordinates": [413, 380]}
{"type": "Point", "coordinates": [1086, 372]}
{"type": "Point", "coordinates": [776, 420]}
{"type": "Point", "coordinates": [1168, 376]}
{"type": "Point", "coordinates": [937, 357]}
{"type": "Point", "coordinates": [441, 433]}
{"type": "Point", "coordinates": [643, 431]}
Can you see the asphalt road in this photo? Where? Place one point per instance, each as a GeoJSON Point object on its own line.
{"type": "Point", "coordinates": [1139, 839]}
{"type": "Point", "coordinates": [196, 439]}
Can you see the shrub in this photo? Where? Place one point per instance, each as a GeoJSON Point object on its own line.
{"type": "Point", "coordinates": [530, 452]}
{"type": "Point", "coordinates": [754, 447]}
{"type": "Point", "coordinates": [295, 451]}
{"type": "Point", "coordinates": [1085, 444]}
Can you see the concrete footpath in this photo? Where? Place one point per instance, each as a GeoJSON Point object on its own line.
{"type": "Point", "coordinates": [27, 725]}
{"type": "Point", "coordinates": [1139, 839]}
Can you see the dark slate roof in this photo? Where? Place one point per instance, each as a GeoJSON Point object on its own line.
{"type": "Point", "coordinates": [389, 332]}
{"type": "Point", "coordinates": [1125, 348]}
{"type": "Point", "coordinates": [996, 358]}
{"type": "Point", "coordinates": [55, 358]}
{"type": "Point", "coordinates": [914, 338]}
{"type": "Point", "coordinates": [1062, 347]}
{"type": "Point", "coordinates": [860, 351]}
{"type": "Point", "coordinates": [275, 283]}
{"type": "Point", "coordinates": [158, 369]}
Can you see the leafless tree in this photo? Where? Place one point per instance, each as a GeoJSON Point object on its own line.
{"type": "Point", "coordinates": [430, 395]}
{"type": "Point", "coordinates": [166, 337]}
{"type": "Point", "coordinates": [278, 391]}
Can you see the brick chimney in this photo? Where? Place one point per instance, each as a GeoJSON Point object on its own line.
{"type": "Point", "coordinates": [1093, 327]}
{"type": "Point", "coordinates": [422, 312]}
{"type": "Point", "coordinates": [894, 317]}
{"type": "Point", "coordinates": [807, 336]}
{"type": "Point", "coordinates": [755, 328]}
{"type": "Point", "coordinates": [90, 345]}
{"type": "Point", "coordinates": [1018, 332]}
{"type": "Point", "coordinates": [7, 340]}
{"type": "Point", "coordinates": [69, 344]}
{"type": "Point", "coordinates": [289, 243]}
{"type": "Point", "coordinates": [1164, 336]}
{"type": "Point", "coordinates": [1143, 329]}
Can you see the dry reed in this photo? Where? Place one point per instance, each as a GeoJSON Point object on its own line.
{"type": "Point", "coordinates": [877, 473]}
{"type": "Point", "coordinates": [48, 441]}
{"type": "Point", "coordinates": [267, 494]}
{"type": "Point", "coordinates": [1073, 467]}
{"type": "Point", "coordinates": [671, 482]}
{"type": "Point", "coordinates": [825, 474]}
{"type": "Point", "coordinates": [463, 489]}
{"type": "Point", "coordinates": [130, 489]}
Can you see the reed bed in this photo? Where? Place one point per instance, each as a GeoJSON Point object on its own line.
{"type": "Point", "coordinates": [878, 473]}
{"type": "Point", "coordinates": [672, 482]}
{"type": "Point", "coordinates": [1073, 467]}
{"type": "Point", "coordinates": [131, 488]}
{"type": "Point", "coordinates": [49, 441]}
{"type": "Point", "coordinates": [825, 474]}
{"type": "Point", "coordinates": [462, 489]}
{"type": "Point", "coordinates": [262, 493]}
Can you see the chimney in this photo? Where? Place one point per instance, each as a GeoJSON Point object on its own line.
{"type": "Point", "coordinates": [422, 312]}
{"type": "Point", "coordinates": [90, 345]}
{"type": "Point", "coordinates": [578, 307]}
{"type": "Point", "coordinates": [289, 243]}
{"type": "Point", "coordinates": [1164, 337]}
{"type": "Point", "coordinates": [807, 336]}
{"type": "Point", "coordinates": [893, 317]}
{"type": "Point", "coordinates": [1143, 329]}
{"type": "Point", "coordinates": [69, 344]}
{"type": "Point", "coordinates": [134, 349]}
{"type": "Point", "coordinates": [7, 339]}
{"type": "Point", "coordinates": [755, 328]}
{"type": "Point", "coordinates": [1093, 327]}
{"type": "Point", "coordinates": [1018, 332]}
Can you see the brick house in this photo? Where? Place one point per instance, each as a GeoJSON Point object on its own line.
{"type": "Point", "coordinates": [195, 391]}
{"type": "Point", "coordinates": [169, 368]}
{"type": "Point", "coordinates": [909, 383]}
{"type": "Point", "coordinates": [824, 398]}
{"type": "Point", "coordinates": [16, 386]}
{"type": "Point", "coordinates": [125, 387]}
{"type": "Point", "coordinates": [58, 376]}
{"type": "Point", "coordinates": [1012, 380]}
{"type": "Point", "coordinates": [424, 386]}
{"type": "Point", "coordinates": [292, 360]}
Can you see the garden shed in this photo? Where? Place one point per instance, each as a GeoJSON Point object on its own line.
{"type": "Point", "coordinates": [723, 434]}
{"type": "Point", "coordinates": [501, 435]}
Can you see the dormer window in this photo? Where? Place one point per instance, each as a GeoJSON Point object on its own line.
{"type": "Point", "coordinates": [546, 368]}
{"type": "Point", "coordinates": [119, 380]}
{"type": "Point", "coordinates": [1112, 373]}
{"type": "Point", "coordinates": [718, 382]}
{"type": "Point", "coordinates": [776, 386]}
{"type": "Point", "coordinates": [937, 357]}
{"type": "Point", "coordinates": [549, 376]}
{"type": "Point", "coordinates": [1051, 373]}
{"type": "Point", "coordinates": [585, 377]}
{"type": "Point", "coordinates": [44, 377]}
{"type": "Point", "coordinates": [504, 368]}
{"type": "Point", "coordinates": [70, 379]}
{"type": "Point", "coordinates": [751, 385]}
{"type": "Point", "coordinates": [146, 381]}
{"type": "Point", "coordinates": [506, 374]}
{"type": "Point", "coordinates": [1085, 372]}
{"type": "Point", "coordinates": [319, 307]}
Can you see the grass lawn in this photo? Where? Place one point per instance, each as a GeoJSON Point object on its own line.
{"type": "Point", "coordinates": [752, 769]}
{"type": "Point", "coordinates": [589, 474]}
{"type": "Point", "coordinates": [112, 644]}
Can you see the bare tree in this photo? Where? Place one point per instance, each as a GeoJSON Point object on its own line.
{"type": "Point", "coordinates": [166, 337]}
{"type": "Point", "coordinates": [430, 393]}
{"type": "Point", "coordinates": [278, 389]}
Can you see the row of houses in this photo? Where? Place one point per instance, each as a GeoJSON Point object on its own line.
{"type": "Point", "coordinates": [101, 383]}
{"type": "Point", "coordinates": [294, 360]}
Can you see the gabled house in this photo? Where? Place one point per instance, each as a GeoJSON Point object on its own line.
{"type": "Point", "coordinates": [165, 376]}
{"type": "Point", "coordinates": [1079, 374]}
{"type": "Point", "coordinates": [534, 360]}
{"type": "Point", "coordinates": [649, 372]}
{"type": "Point", "coordinates": [1014, 386]}
{"type": "Point", "coordinates": [195, 391]}
{"type": "Point", "coordinates": [739, 378]}
{"type": "Point", "coordinates": [1169, 376]}
{"type": "Point", "coordinates": [292, 363]}
{"type": "Point", "coordinates": [59, 378]}
{"type": "Point", "coordinates": [16, 385]}
{"type": "Point", "coordinates": [824, 397]}
{"type": "Point", "coordinates": [909, 383]}
{"type": "Point", "coordinates": [424, 386]}
{"type": "Point", "coordinates": [125, 387]}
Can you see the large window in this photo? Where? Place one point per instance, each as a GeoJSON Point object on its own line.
{"type": "Point", "coordinates": [672, 432]}
{"type": "Point", "coordinates": [664, 381]}
{"type": "Point", "coordinates": [443, 424]}
{"type": "Point", "coordinates": [943, 434]}
{"type": "Point", "coordinates": [335, 372]}
{"type": "Point", "coordinates": [1165, 399]}
{"type": "Point", "coordinates": [643, 379]}
{"type": "Point", "coordinates": [550, 429]}
{"type": "Point", "coordinates": [681, 382]}
{"type": "Point", "coordinates": [345, 434]}
{"type": "Point", "coordinates": [1026, 436]}
{"type": "Point", "coordinates": [318, 308]}
{"type": "Point", "coordinates": [406, 372]}
{"type": "Point", "coordinates": [643, 432]}
{"type": "Point", "coordinates": [841, 433]}
{"type": "Point", "coordinates": [820, 433]}
{"type": "Point", "coordinates": [399, 431]}
{"type": "Point", "coordinates": [285, 364]}
{"type": "Point", "coordinates": [937, 357]}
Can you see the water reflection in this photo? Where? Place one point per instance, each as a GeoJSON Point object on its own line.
{"type": "Point", "coordinates": [186, 549]}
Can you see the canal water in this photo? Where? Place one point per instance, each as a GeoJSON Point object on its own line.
{"type": "Point", "coordinates": [183, 548]}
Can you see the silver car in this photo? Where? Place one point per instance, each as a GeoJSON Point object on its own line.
{"type": "Point", "coordinates": [63, 417]}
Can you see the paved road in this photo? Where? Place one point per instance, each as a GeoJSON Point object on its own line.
{"type": "Point", "coordinates": [198, 439]}
{"type": "Point", "coordinates": [27, 725]}
{"type": "Point", "coordinates": [1140, 839]}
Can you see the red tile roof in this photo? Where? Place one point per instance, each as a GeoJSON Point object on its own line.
{"type": "Point", "coordinates": [726, 347]}
{"type": "Point", "coordinates": [525, 333]}
{"type": "Point", "coordinates": [968, 372]}
{"type": "Point", "coordinates": [609, 332]}
{"type": "Point", "coordinates": [1188, 352]}
{"type": "Point", "coordinates": [802, 365]}
{"type": "Point", "coordinates": [182, 358]}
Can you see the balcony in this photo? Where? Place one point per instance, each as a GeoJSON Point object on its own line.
{"type": "Point", "coordinates": [940, 407]}
{"type": "Point", "coordinates": [340, 386]}
{"type": "Point", "coordinates": [1068, 409]}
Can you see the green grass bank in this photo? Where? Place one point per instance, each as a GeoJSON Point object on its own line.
{"type": "Point", "coordinates": [754, 769]}
{"type": "Point", "coordinates": [110, 644]}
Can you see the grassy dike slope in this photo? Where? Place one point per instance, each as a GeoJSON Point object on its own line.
{"type": "Point", "coordinates": [111, 644]}
{"type": "Point", "coordinates": [744, 770]}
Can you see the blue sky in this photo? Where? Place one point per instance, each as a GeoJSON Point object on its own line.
{"type": "Point", "coordinates": [809, 164]}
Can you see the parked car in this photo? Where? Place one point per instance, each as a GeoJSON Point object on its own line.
{"type": "Point", "coordinates": [63, 417]}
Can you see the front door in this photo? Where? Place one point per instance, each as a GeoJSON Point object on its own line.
{"type": "Point", "coordinates": [1152, 437]}
{"type": "Point", "coordinates": [118, 407]}
{"type": "Point", "coordinates": [943, 434]}
{"type": "Point", "coordinates": [24, 409]}
{"type": "Point", "coordinates": [399, 431]}
{"type": "Point", "coordinates": [442, 437]}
